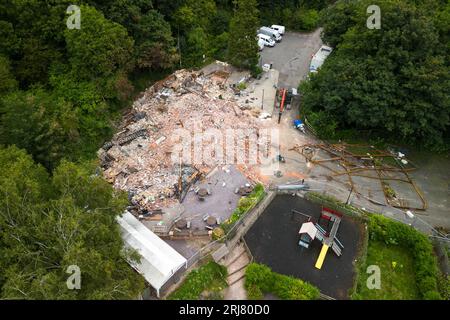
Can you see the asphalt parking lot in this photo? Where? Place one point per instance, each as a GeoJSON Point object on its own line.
{"type": "Point", "coordinates": [292, 56]}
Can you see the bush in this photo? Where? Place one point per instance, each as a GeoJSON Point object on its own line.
{"type": "Point", "coordinates": [306, 20]}
{"type": "Point", "coordinates": [218, 233]}
{"type": "Point", "coordinates": [245, 204]}
{"type": "Point", "coordinates": [242, 86]}
{"type": "Point", "coordinates": [261, 279]}
{"type": "Point", "coordinates": [259, 275]}
{"type": "Point", "coordinates": [444, 286]}
{"type": "Point", "coordinates": [425, 263]}
{"type": "Point", "coordinates": [256, 71]}
{"type": "Point", "coordinates": [254, 293]}
{"type": "Point", "coordinates": [210, 276]}
{"type": "Point", "coordinates": [323, 123]}
{"type": "Point", "coordinates": [290, 288]}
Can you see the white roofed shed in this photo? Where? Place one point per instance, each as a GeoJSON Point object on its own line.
{"type": "Point", "coordinates": [159, 261]}
{"type": "Point", "coordinates": [309, 228]}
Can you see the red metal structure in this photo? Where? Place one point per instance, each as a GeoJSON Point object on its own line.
{"type": "Point", "coordinates": [283, 99]}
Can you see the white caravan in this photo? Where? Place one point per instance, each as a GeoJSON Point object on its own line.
{"type": "Point", "coordinates": [319, 58]}
{"type": "Point", "coordinates": [271, 33]}
{"type": "Point", "coordinates": [278, 28]}
{"type": "Point", "coordinates": [268, 41]}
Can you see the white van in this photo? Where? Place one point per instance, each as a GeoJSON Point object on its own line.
{"type": "Point", "coordinates": [268, 41]}
{"type": "Point", "coordinates": [278, 28]}
{"type": "Point", "coordinates": [271, 33]}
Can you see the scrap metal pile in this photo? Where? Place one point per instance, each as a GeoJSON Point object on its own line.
{"type": "Point", "coordinates": [365, 168]}
{"type": "Point", "coordinates": [138, 159]}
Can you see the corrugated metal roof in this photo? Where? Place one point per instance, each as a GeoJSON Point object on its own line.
{"type": "Point", "coordinates": [159, 260]}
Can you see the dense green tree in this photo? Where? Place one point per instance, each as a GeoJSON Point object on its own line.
{"type": "Point", "coordinates": [39, 122]}
{"type": "Point", "coordinates": [393, 81]}
{"type": "Point", "coordinates": [7, 80]}
{"type": "Point", "coordinates": [10, 43]}
{"type": "Point", "coordinates": [221, 22]}
{"type": "Point", "coordinates": [99, 48]}
{"type": "Point", "coordinates": [124, 12]}
{"type": "Point", "coordinates": [243, 47]}
{"type": "Point", "coordinates": [154, 42]}
{"type": "Point", "coordinates": [33, 36]}
{"type": "Point", "coordinates": [49, 224]}
{"type": "Point", "coordinates": [336, 20]}
{"type": "Point", "coordinates": [197, 47]}
{"type": "Point", "coordinates": [196, 13]}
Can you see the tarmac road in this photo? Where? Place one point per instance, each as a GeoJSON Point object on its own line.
{"type": "Point", "coordinates": [292, 56]}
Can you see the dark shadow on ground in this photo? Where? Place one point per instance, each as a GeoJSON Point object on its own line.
{"type": "Point", "coordinates": [273, 241]}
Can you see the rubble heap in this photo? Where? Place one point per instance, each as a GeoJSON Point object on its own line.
{"type": "Point", "coordinates": [138, 159]}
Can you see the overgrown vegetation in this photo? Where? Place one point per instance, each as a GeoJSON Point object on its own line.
{"type": "Point", "coordinates": [260, 279]}
{"type": "Point", "coordinates": [245, 204]}
{"type": "Point", "coordinates": [243, 48]}
{"type": "Point", "coordinates": [296, 15]}
{"type": "Point", "coordinates": [393, 233]}
{"type": "Point", "coordinates": [49, 223]}
{"type": "Point", "coordinates": [205, 282]}
{"type": "Point", "coordinates": [392, 82]}
{"type": "Point", "coordinates": [62, 91]}
{"type": "Point", "coordinates": [405, 256]}
{"type": "Point", "coordinates": [396, 237]}
{"type": "Point", "coordinates": [398, 281]}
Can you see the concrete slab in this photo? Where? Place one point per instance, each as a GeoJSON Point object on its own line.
{"type": "Point", "coordinates": [222, 200]}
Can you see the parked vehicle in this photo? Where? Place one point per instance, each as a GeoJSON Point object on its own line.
{"type": "Point", "coordinates": [260, 44]}
{"type": "Point", "coordinates": [268, 41]}
{"type": "Point", "coordinates": [319, 58]}
{"type": "Point", "coordinates": [278, 28]}
{"type": "Point", "coordinates": [271, 33]}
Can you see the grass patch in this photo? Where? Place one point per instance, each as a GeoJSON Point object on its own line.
{"type": "Point", "coordinates": [206, 282]}
{"type": "Point", "coordinates": [398, 280]}
{"type": "Point", "coordinates": [260, 279]}
{"type": "Point", "coordinates": [395, 236]}
{"type": "Point", "coordinates": [406, 259]}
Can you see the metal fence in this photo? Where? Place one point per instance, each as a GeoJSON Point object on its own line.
{"type": "Point", "coordinates": [394, 214]}
{"type": "Point", "coordinates": [240, 228]}
{"type": "Point", "coordinates": [229, 240]}
{"type": "Point", "coordinates": [235, 233]}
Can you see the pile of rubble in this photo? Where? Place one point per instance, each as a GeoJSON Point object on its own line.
{"type": "Point", "coordinates": [138, 159]}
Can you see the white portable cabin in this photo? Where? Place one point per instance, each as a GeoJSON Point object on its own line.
{"type": "Point", "coordinates": [159, 261]}
{"type": "Point", "coordinates": [319, 58]}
